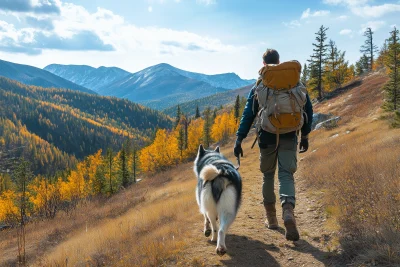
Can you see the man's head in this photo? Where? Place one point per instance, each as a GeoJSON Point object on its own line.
{"type": "Point", "coordinates": [271, 56]}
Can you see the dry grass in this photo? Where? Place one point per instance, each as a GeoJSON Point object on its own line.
{"type": "Point", "coordinates": [358, 166]}
{"type": "Point", "coordinates": [142, 226]}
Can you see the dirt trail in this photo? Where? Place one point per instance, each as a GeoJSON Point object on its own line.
{"type": "Point", "coordinates": [250, 243]}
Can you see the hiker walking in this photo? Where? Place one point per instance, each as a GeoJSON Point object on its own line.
{"type": "Point", "coordinates": [283, 109]}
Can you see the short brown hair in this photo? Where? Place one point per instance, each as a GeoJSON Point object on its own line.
{"type": "Point", "coordinates": [271, 56]}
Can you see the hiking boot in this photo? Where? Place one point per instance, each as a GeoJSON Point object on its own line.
{"type": "Point", "coordinates": [290, 222]}
{"type": "Point", "coordinates": [271, 222]}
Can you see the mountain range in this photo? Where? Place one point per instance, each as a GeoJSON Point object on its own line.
{"type": "Point", "coordinates": [87, 76]}
{"type": "Point", "coordinates": [35, 76]}
{"type": "Point", "coordinates": [159, 87]}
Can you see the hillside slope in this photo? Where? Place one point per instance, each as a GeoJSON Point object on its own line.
{"type": "Point", "coordinates": [74, 122]}
{"type": "Point", "coordinates": [159, 220]}
{"type": "Point", "coordinates": [87, 76]}
{"type": "Point", "coordinates": [34, 76]}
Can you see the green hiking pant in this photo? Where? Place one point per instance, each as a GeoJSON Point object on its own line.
{"type": "Point", "coordinates": [286, 157]}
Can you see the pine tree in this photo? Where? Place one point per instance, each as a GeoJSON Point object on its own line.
{"type": "Point", "coordinates": [318, 60]}
{"type": "Point", "coordinates": [305, 75]}
{"type": "Point", "coordinates": [369, 49]}
{"type": "Point", "coordinates": [392, 62]}
{"type": "Point", "coordinates": [237, 108]}
{"type": "Point", "coordinates": [123, 162]}
{"type": "Point", "coordinates": [22, 177]}
{"type": "Point", "coordinates": [110, 161]}
{"type": "Point", "coordinates": [99, 184]}
{"type": "Point", "coordinates": [336, 68]}
{"type": "Point", "coordinates": [197, 112]}
{"type": "Point", "coordinates": [181, 139]}
{"type": "Point", "coordinates": [178, 116]}
{"type": "Point", "coordinates": [207, 127]}
{"type": "Point", "coordinates": [362, 65]}
{"type": "Point", "coordinates": [135, 160]}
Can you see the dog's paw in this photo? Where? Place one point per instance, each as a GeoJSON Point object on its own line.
{"type": "Point", "coordinates": [207, 232]}
{"type": "Point", "coordinates": [221, 251]}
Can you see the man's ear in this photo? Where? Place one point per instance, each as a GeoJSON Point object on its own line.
{"type": "Point", "coordinates": [217, 149]}
{"type": "Point", "coordinates": [201, 151]}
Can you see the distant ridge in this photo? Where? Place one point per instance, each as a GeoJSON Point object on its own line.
{"type": "Point", "coordinates": [87, 76]}
{"type": "Point", "coordinates": [35, 76]}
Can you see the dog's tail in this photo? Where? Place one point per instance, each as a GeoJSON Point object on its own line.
{"type": "Point", "coordinates": [209, 173]}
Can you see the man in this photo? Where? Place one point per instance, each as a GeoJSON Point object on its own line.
{"type": "Point", "coordinates": [284, 153]}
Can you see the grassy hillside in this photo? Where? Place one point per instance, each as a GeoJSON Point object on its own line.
{"type": "Point", "coordinates": [351, 174]}
{"type": "Point", "coordinates": [212, 101]}
{"type": "Point", "coordinates": [74, 122]}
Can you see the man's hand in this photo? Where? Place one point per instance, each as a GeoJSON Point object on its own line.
{"type": "Point", "coordinates": [303, 144]}
{"type": "Point", "coordinates": [237, 150]}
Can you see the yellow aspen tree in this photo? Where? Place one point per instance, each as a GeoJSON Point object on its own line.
{"type": "Point", "coordinates": [195, 137]}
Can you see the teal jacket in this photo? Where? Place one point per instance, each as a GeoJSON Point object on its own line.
{"type": "Point", "coordinates": [267, 139]}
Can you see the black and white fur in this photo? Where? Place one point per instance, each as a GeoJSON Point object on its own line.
{"type": "Point", "coordinates": [218, 193]}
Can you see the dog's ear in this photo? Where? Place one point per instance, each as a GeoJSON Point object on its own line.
{"type": "Point", "coordinates": [217, 149]}
{"type": "Point", "coordinates": [201, 151]}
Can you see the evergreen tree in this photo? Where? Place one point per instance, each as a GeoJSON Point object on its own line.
{"type": "Point", "coordinates": [22, 177]}
{"type": "Point", "coordinates": [197, 112]}
{"type": "Point", "coordinates": [135, 161]}
{"type": "Point", "coordinates": [178, 116]}
{"type": "Point", "coordinates": [99, 183]}
{"type": "Point", "coordinates": [123, 162]}
{"type": "Point", "coordinates": [392, 62]}
{"type": "Point", "coordinates": [318, 60]}
{"type": "Point", "coordinates": [237, 108]}
{"type": "Point", "coordinates": [181, 139]}
{"type": "Point", "coordinates": [305, 74]}
{"type": "Point", "coordinates": [207, 127]}
{"type": "Point", "coordinates": [110, 161]}
{"type": "Point", "coordinates": [362, 65]}
{"type": "Point", "coordinates": [336, 69]}
{"type": "Point", "coordinates": [369, 49]}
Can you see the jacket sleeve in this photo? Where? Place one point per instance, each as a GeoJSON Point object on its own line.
{"type": "Point", "coordinates": [306, 129]}
{"type": "Point", "coordinates": [248, 116]}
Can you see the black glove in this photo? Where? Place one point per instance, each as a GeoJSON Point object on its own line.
{"type": "Point", "coordinates": [237, 150]}
{"type": "Point", "coordinates": [304, 144]}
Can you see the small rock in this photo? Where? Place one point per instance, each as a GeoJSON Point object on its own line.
{"type": "Point", "coordinates": [291, 258]}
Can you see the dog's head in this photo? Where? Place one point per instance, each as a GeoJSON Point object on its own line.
{"type": "Point", "coordinates": [201, 153]}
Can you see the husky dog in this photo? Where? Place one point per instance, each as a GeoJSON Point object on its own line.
{"type": "Point", "coordinates": [218, 193]}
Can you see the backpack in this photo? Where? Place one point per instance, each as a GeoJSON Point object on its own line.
{"type": "Point", "coordinates": [281, 98]}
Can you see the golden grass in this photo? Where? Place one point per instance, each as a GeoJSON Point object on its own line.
{"type": "Point", "coordinates": [144, 225]}
{"type": "Point", "coordinates": [357, 165]}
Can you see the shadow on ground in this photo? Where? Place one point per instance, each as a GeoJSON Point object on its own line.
{"type": "Point", "coordinates": [248, 252]}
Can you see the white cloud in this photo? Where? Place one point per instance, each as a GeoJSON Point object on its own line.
{"type": "Point", "coordinates": [319, 13]}
{"type": "Point", "coordinates": [343, 17]}
{"type": "Point", "coordinates": [346, 2]}
{"type": "Point", "coordinates": [114, 31]}
{"type": "Point", "coordinates": [346, 32]}
{"type": "Point", "coordinates": [375, 11]}
{"type": "Point", "coordinates": [206, 2]}
{"type": "Point", "coordinates": [374, 25]}
{"type": "Point", "coordinates": [292, 24]}
{"type": "Point", "coordinates": [362, 9]}
{"type": "Point", "coordinates": [150, 9]}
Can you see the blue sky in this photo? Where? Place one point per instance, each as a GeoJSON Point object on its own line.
{"type": "Point", "coordinates": [208, 36]}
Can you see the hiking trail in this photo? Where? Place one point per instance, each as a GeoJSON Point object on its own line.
{"type": "Point", "coordinates": [248, 241]}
